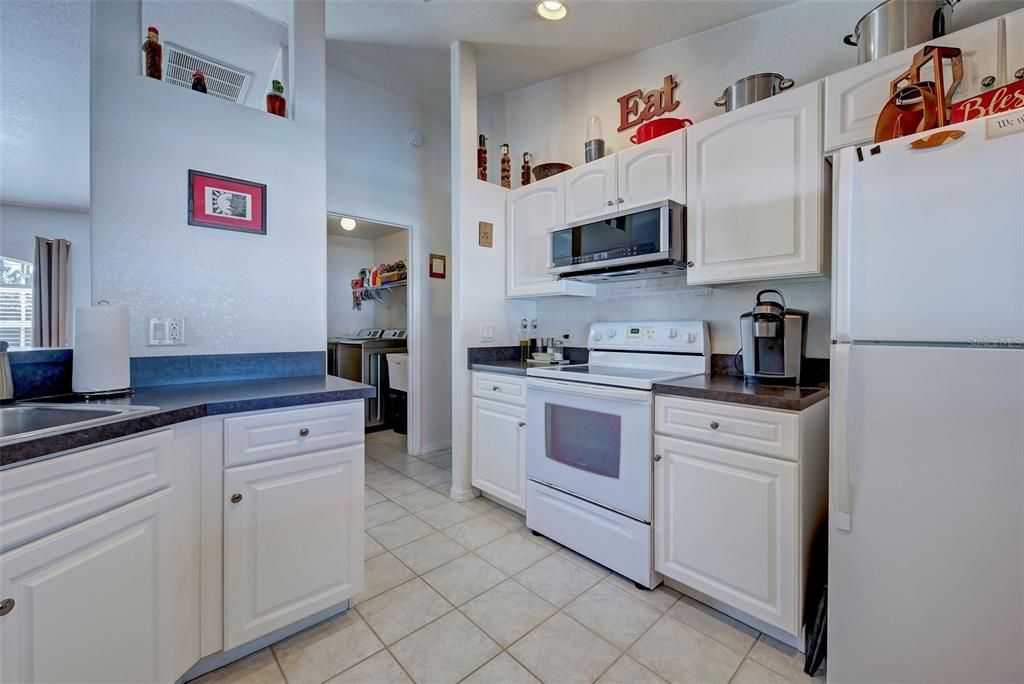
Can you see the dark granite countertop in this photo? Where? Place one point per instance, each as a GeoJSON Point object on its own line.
{"type": "Point", "coordinates": [180, 403]}
{"type": "Point", "coordinates": [733, 389]}
{"type": "Point", "coordinates": [498, 366]}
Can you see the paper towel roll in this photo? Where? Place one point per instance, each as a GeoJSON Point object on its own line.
{"type": "Point", "coordinates": [101, 359]}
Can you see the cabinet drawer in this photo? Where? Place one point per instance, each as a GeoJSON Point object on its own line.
{"type": "Point", "coordinates": [275, 434]}
{"type": "Point", "coordinates": [760, 431]}
{"type": "Point", "coordinates": [510, 389]}
{"type": "Point", "coordinates": [43, 497]}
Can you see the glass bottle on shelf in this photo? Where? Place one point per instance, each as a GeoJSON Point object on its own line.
{"type": "Point", "coordinates": [481, 158]}
{"type": "Point", "coordinates": [275, 99]}
{"type": "Point", "coordinates": [524, 176]}
{"type": "Point", "coordinates": [154, 54]}
{"type": "Point", "coordinates": [199, 82]}
{"type": "Point", "coordinates": [506, 167]}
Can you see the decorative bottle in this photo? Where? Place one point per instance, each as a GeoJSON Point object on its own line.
{"type": "Point", "coordinates": [154, 54]}
{"type": "Point", "coordinates": [275, 99]}
{"type": "Point", "coordinates": [524, 177]}
{"type": "Point", "coordinates": [506, 167]}
{"type": "Point", "coordinates": [481, 158]}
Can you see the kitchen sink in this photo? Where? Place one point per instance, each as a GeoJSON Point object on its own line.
{"type": "Point", "coordinates": [19, 422]}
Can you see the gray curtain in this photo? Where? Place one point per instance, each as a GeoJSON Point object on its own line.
{"type": "Point", "coordinates": [50, 303]}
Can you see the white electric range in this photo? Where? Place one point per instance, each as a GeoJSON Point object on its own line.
{"type": "Point", "coordinates": [590, 444]}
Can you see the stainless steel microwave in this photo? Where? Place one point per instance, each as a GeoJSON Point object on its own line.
{"type": "Point", "coordinates": [642, 242]}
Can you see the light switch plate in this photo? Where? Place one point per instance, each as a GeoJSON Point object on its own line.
{"type": "Point", "coordinates": [166, 332]}
{"type": "Point", "coordinates": [486, 237]}
{"type": "Point", "coordinates": [487, 333]}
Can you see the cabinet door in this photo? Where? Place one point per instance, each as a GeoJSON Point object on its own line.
{"type": "Point", "coordinates": [1014, 46]}
{"type": "Point", "coordinates": [653, 171]}
{"type": "Point", "coordinates": [725, 524]}
{"type": "Point", "coordinates": [590, 190]}
{"type": "Point", "coordinates": [93, 602]}
{"type": "Point", "coordinates": [293, 540]}
{"type": "Point", "coordinates": [853, 98]}
{"type": "Point", "coordinates": [499, 451]}
{"type": "Point", "coordinates": [533, 210]}
{"type": "Point", "coordinates": [754, 191]}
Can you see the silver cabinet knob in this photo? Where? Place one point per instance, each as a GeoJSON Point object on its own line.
{"type": "Point", "coordinates": [714, 425]}
{"type": "Point", "coordinates": [304, 432]}
{"type": "Point", "coordinates": [236, 498]}
{"type": "Point", "coordinates": [611, 202]}
{"type": "Point", "coordinates": [621, 200]}
{"type": "Point", "coordinates": [690, 264]}
{"type": "Point", "coordinates": [495, 388]}
{"type": "Point", "coordinates": [988, 81]}
{"type": "Point", "coordinates": [522, 424]}
{"type": "Point", "coordinates": [657, 457]}
{"type": "Point", "coordinates": [1019, 73]}
{"type": "Point", "coordinates": [6, 606]}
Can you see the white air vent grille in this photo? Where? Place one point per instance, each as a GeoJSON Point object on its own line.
{"type": "Point", "coordinates": [223, 81]}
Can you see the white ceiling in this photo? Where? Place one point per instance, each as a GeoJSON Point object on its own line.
{"type": "Point", "coordinates": [364, 230]}
{"type": "Point", "coordinates": [44, 103]}
{"type": "Point", "coordinates": [402, 45]}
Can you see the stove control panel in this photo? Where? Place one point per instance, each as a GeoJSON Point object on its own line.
{"type": "Point", "coordinates": [690, 337]}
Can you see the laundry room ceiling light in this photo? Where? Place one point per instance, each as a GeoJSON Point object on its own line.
{"type": "Point", "coordinates": [348, 223]}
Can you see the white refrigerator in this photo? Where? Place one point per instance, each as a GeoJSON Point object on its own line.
{"type": "Point", "coordinates": [926, 491]}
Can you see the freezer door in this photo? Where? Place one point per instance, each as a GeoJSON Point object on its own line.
{"type": "Point", "coordinates": [929, 244]}
{"type": "Point", "coordinates": [926, 583]}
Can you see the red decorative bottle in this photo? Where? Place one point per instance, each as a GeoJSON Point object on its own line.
{"type": "Point", "coordinates": [275, 99]}
{"type": "Point", "coordinates": [154, 54]}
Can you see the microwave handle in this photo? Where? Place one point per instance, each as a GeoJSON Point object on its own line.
{"type": "Point", "coordinates": [580, 389]}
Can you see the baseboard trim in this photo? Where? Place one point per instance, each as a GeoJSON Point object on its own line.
{"type": "Point", "coordinates": [436, 447]}
{"type": "Point", "coordinates": [215, 661]}
{"type": "Point", "coordinates": [463, 495]}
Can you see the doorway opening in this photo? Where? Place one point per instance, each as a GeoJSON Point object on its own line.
{"type": "Point", "coordinates": [372, 335]}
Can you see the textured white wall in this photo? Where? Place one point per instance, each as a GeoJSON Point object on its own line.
{"type": "Point", "coordinates": [19, 227]}
{"type": "Point", "coordinates": [345, 256]}
{"type": "Point", "coordinates": [238, 292]}
{"type": "Point", "coordinates": [373, 172]}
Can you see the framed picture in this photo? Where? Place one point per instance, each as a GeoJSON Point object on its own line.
{"type": "Point", "coordinates": [438, 266]}
{"type": "Point", "coordinates": [228, 203]}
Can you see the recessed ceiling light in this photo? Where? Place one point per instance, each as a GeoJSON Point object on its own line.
{"type": "Point", "coordinates": [348, 223]}
{"type": "Point", "coordinates": [552, 10]}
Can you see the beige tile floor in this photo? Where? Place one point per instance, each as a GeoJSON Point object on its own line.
{"type": "Point", "coordinates": [464, 592]}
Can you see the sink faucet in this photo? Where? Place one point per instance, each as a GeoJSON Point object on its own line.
{"type": "Point", "coordinates": [6, 379]}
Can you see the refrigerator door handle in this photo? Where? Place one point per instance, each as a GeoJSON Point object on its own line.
{"type": "Point", "coordinates": [843, 222]}
{"type": "Point", "coordinates": [839, 458]}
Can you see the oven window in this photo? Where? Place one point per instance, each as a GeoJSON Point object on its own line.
{"type": "Point", "coordinates": [583, 439]}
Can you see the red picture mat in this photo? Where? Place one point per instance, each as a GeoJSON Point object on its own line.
{"type": "Point", "coordinates": [228, 203]}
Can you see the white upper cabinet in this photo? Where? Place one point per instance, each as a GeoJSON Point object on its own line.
{"type": "Point", "coordinates": [1014, 46]}
{"type": "Point", "coordinates": [293, 540]}
{"type": "Point", "coordinates": [94, 602]}
{"type": "Point", "coordinates": [590, 190]}
{"type": "Point", "coordinates": [652, 172]}
{"type": "Point", "coordinates": [754, 191]}
{"type": "Point", "coordinates": [532, 211]}
{"type": "Point", "coordinates": [854, 98]}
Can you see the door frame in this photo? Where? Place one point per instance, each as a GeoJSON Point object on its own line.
{"type": "Point", "coordinates": [416, 263]}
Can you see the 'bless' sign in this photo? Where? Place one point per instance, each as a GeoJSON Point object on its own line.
{"type": "Point", "coordinates": [637, 107]}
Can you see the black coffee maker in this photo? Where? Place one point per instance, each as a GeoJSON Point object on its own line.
{"type": "Point", "coordinates": [774, 341]}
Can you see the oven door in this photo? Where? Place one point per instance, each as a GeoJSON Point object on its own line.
{"type": "Point", "coordinates": [592, 441]}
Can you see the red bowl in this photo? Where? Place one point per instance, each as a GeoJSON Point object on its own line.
{"type": "Point", "coordinates": [656, 128]}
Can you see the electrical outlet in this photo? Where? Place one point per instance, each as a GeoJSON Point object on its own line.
{"type": "Point", "coordinates": [166, 331]}
{"type": "Point", "coordinates": [487, 333]}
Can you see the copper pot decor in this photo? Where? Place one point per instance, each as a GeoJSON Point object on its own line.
{"type": "Point", "coordinates": [916, 105]}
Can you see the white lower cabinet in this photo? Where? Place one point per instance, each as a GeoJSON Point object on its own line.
{"type": "Point", "coordinates": [732, 524]}
{"type": "Point", "coordinates": [726, 526]}
{"type": "Point", "coordinates": [93, 602]}
{"type": "Point", "coordinates": [293, 540]}
{"type": "Point", "coordinates": [499, 450]}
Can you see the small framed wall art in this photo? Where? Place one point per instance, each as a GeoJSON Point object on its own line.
{"type": "Point", "coordinates": [438, 266]}
{"type": "Point", "coordinates": [228, 203]}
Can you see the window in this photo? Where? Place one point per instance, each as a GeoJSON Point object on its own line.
{"type": "Point", "coordinates": [16, 301]}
